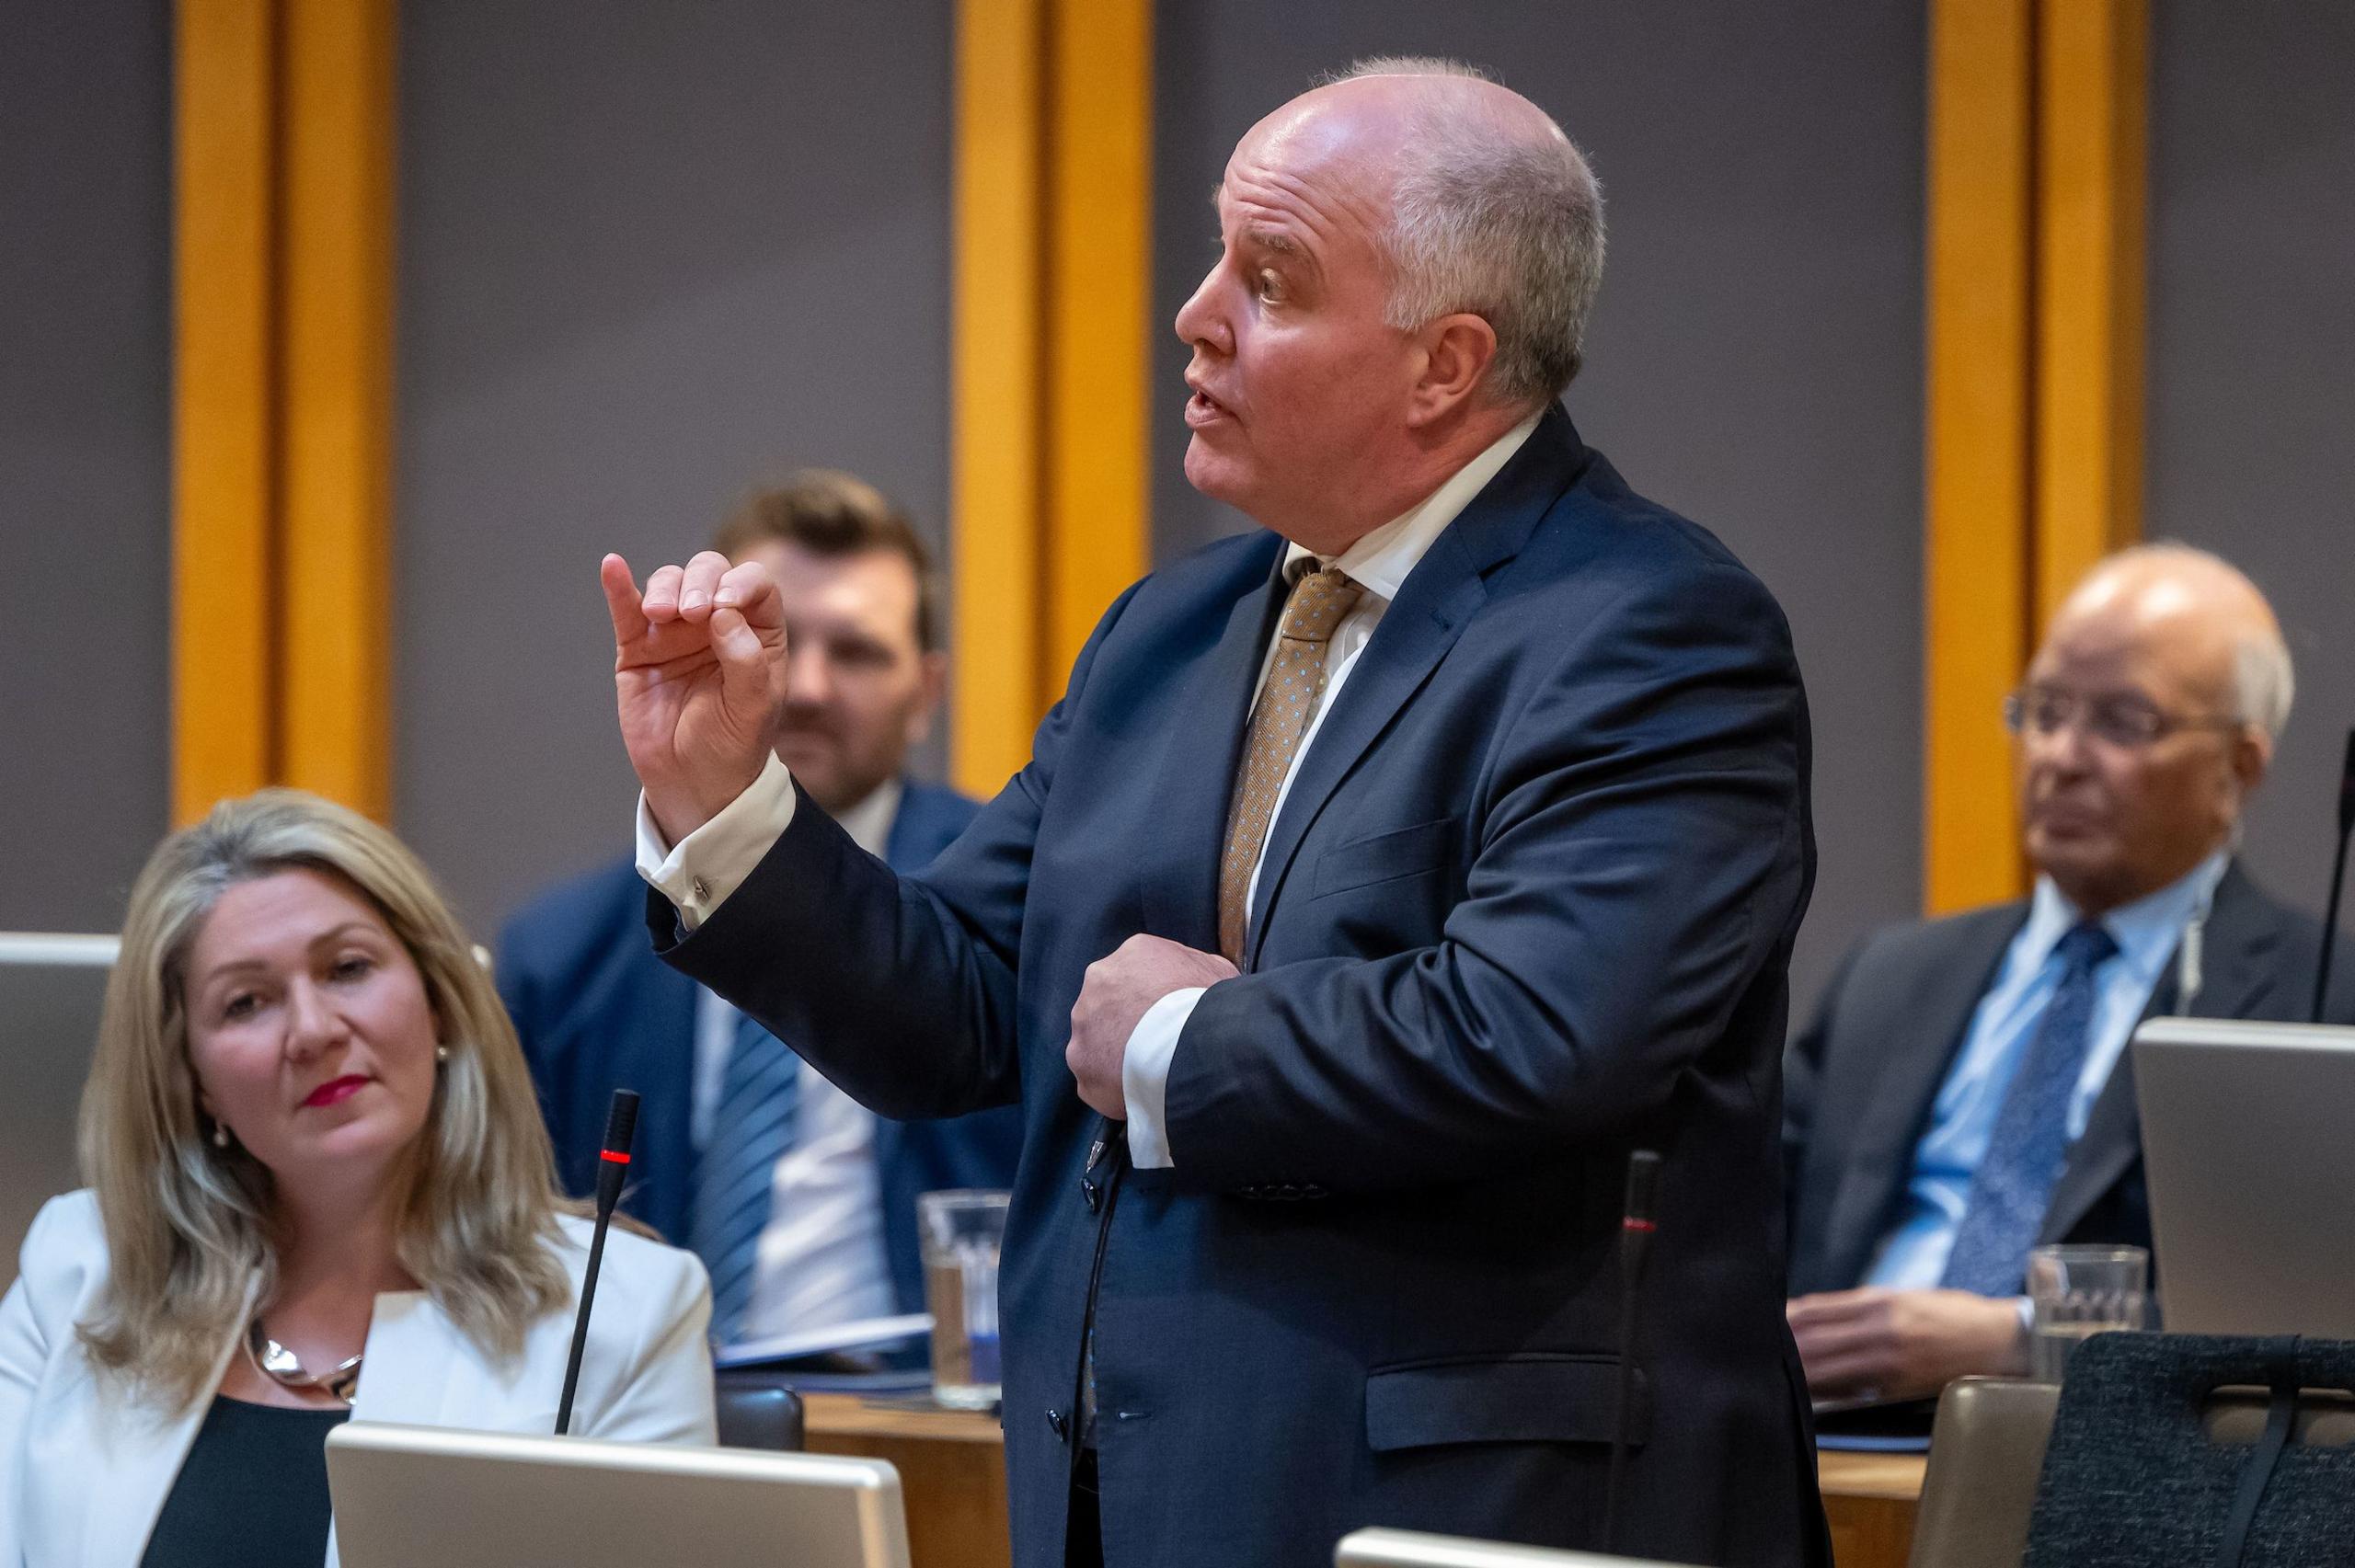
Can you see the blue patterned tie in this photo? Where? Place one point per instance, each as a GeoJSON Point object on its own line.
{"type": "Point", "coordinates": [2031, 1137]}
{"type": "Point", "coordinates": [752, 1128]}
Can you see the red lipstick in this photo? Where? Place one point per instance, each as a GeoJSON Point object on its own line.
{"type": "Point", "coordinates": [335, 1091]}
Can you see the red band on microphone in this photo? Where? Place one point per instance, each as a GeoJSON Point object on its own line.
{"type": "Point", "coordinates": [615, 1155]}
{"type": "Point", "coordinates": [1630, 1223]}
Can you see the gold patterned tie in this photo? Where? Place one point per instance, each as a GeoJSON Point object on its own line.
{"type": "Point", "coordinates": [1295, 681]}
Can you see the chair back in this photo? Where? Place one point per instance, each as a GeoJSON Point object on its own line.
{"type": "Point", "coordinates": [2159, 1454]}
{"type": "Point", "coordinates": [1986, 1449]}
{"type": "Point", "coordinates": [754, 1415]}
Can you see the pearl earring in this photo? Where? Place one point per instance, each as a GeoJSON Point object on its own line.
{"type": "Point", "coordinates": [441, 1053]}
{"type": "Point", "coordinates": [220, 1135]}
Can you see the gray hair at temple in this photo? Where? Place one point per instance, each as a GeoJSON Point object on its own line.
{"type": "Point", "coordinates": [1499, 226]}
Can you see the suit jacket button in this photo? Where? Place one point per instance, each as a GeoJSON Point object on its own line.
{"type": "Point", "coordinates": [1055, 1423]}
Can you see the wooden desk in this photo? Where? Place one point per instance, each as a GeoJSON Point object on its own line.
{"type": "Point", "coordinates": [952, 1472]}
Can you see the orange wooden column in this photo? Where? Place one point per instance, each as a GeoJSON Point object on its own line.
{"type": "Point", "coordinates": [1977, 446]}
{"type": "Point", "coordinates": [2093, 65]}
{"type": "Point", "coordinates": [1050, 352]}
{"type": "Point", "coordinates": [2033, 449]}
{"type": "Point", "coordinates": [223, 403]}
{"type": "Point", "coordinates": [283, 400]}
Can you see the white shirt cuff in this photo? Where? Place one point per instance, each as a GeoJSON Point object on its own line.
{"type": "Point", "coordinates": [698, 873]}
{"type": "Point", "coordinates": [1144, 1075]}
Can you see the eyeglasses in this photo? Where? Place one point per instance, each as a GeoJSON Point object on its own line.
{"type": "Point", "coordinates": [2127, 723]}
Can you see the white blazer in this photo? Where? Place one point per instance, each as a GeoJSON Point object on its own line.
{"type": "Point", "coordinates": [85, 1468]}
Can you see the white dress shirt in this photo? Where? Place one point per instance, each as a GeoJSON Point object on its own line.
{"type": "Point", "coordinates": [822, 1259]}
{"type": "Point", "coordinates": [702, 869]}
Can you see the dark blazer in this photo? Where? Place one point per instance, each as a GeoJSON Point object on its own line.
{"type": "Point", "coordinates": [1860, 1084]}
{"type": "Point", "coordinates": [598, 1012]}
{"type": "Point", "coordinates": [1528, 906]}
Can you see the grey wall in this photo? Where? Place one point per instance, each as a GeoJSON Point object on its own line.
{"type": "Point", "coordinates": [2252, 344]}
{"type": "Point", "coordinates": [84, 454]}
{"type": "Point", "coordinates": [1755, 359]}
{"type": "Point", "coordinates": [649, 256]}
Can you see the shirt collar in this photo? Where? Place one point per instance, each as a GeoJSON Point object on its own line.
{"type": "Point", "coordinates": [2146, 930]}
{"type": "Point", "coordinates": [1379, 561]}
{"type": "Point", "coordinates": [868, 822]}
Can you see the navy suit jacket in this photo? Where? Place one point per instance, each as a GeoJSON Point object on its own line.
{"type": "Point", "coordinates": [1862, 1078]}
{"type": "Point", "coordinates": [1528, 906]}
{"type": "Point", "coordinates": [598, 1012]}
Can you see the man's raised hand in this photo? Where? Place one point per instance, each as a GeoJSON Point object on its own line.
{"type": "Point", "coordinates": [699, 674]}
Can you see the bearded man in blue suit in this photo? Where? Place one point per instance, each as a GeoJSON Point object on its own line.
{"type": "Point", "coordinates": [801, 1202]}
{"type": "Point", "coordinates": [1383, 878]}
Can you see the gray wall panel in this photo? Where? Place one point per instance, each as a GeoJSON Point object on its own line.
{"type": "Point", "coordinates": [84, 454]}
{"type": "Point", "coordinates": [1755, 360]}
{"type": "Point", "coordinates": [650, 255]}
{"type": "Point", "coordinates": [2252, 357]}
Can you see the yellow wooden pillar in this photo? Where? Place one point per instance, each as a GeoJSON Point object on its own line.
{"type": "Point", "coordinates": [282, 399]}
{"type": "Point", "coordinates": [2034, 405]}
{"type": "Point", "coordinates": [1050, 352]}
{"type": "Point", "coordinates": [225, 403]}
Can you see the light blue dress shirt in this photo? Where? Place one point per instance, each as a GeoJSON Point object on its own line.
{"type": "Point", "coordinates": [1962, 1118]}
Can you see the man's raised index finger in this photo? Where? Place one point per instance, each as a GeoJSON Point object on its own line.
{"type": "Point", "coordinates": [622, 600]}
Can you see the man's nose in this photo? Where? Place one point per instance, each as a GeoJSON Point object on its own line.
{"type": "Point", "coordinates": [1199, 320]}
{"type": "Point", "coordinates": [808, 680]}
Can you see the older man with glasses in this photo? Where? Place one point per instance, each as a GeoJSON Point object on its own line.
{"type": "Point", "coordinates": [1964, 1094]}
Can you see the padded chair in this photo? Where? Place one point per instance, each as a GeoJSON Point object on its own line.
{"type": "Point", "coordinates": [1986, 1450]}
{"type": "Point", "coordinates": [757, 1413]}
{"type": "Point", "coordinates": [2203, 1450]}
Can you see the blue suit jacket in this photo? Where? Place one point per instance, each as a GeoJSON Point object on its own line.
{"type": "Point", "coordinates": [598, 1012]}
{"type": "Point", "coordinates": [1528, 906]}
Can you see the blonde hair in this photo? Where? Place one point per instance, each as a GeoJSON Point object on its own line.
{"type": "Point", "coordinates": [189, 1225]}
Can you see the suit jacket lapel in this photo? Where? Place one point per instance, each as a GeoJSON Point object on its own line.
{"type": "Point", "coordinates": [1925, 1029]}
{"type": "Point", "coordinates": [1180, 888]}
{"type": "Point", "coordinates": [143, 1454]}
{"type": "Point", "coordinates": [2240, 969]}
{"type": "Point", "coordinates": [1442, 592]}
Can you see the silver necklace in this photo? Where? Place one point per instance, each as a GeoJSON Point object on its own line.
{"type": "Point", "coordinates": [280, 1364]}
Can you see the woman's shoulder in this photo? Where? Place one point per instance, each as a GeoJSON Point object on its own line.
{"type": "Point", "coordinates": [66, 1243]}
{"type": "Point", "coordinates": [637, 1270]}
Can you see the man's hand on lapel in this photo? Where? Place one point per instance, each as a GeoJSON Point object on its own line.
{"type": "Point", "coordinates": [1119, 991]}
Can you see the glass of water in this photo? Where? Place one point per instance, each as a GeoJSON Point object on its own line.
{"type": "Point", "coordinates": [2076, 1292]}
{"type": "Point", "coordinates": [961, 1234]}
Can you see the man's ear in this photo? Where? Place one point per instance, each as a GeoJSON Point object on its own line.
{"type": "Point", "coordinates": [2250, 759]}
{"type": "Point", "coordinates": [1458, 351]}
{"type": "Point", "coordinates": [932, 676]}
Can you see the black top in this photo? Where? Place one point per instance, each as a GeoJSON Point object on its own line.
{"type": "Point", "coordinates": [252, 1492]}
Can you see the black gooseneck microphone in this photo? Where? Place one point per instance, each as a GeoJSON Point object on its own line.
{"type": "Point", "coordinates": [2337, 877]}
{"type": "Point", "coordinates": [1636, 1229]}
{"type": "Point", "coordinates": [613, 1164]}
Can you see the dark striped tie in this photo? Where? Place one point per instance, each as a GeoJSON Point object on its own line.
{"type": "Point", "coordinates": [2014, 1184]}
{"type": "Point", "coordinates": [752, 1128]}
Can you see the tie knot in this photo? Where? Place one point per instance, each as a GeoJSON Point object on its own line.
{"type": "Point", "coordinates": [1318, 602]}
{"type": "Point", "coordinates": [2086, 946]}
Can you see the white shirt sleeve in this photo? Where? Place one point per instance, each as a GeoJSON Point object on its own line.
{"type": "Point", "coordinates": [698, 873]}
{"type": "Point", "coordinates": [1144, 1075]}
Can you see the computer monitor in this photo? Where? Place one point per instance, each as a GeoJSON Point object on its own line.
{"type": "Point", "coordinates": [2248, 1145]}
{"type": "Point", "coordinates": [1412, 1549]}
{"type": "Point", "coordinates": [406, 1495]}
{"type": "Point", "coordinates": [52, 990]}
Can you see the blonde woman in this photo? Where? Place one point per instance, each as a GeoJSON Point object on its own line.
{"type": "Point", "coordinates": [319, 1191]}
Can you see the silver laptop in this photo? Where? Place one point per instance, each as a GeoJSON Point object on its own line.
{"type": "Point", "coordinates": [2249, 1142]}
{"type": "Point", "coordinates": [1411, 1549]}
{"type": "Point", "coordinates": [52, 990]}
{"type": "Point", "coordinates": [406, 1495]}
